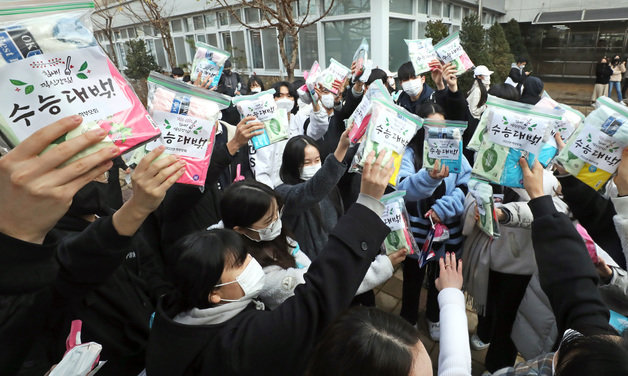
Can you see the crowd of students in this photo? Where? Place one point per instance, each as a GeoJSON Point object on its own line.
{"type": "Point", "coordinates": [269, 268]}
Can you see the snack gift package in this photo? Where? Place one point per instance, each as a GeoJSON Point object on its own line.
{"type": "Point", "coordinates": [507, 131]}
{"type": "Point", "coordinates": [594, 151]}
{"type": "Point", "coordinates": [52, 67]}
{"type": "Point", "coordinates": [312, 79]}
{"type": "Point", "coordinates": [421, 53]}
{"type": "Point", "coordinates": [360, 58]}
{"type": "Point", "coordinates": [396, 217]}
{"type": "Point", "coordinates": [390, 129]}
{"type": "Point", "coordinates": [482, 192]}
{"type": "Point", "coordinates": [449, 50]}
{"type": "Point", "coordinates": [263, 107]}
{"type": "Point", "coordinates": [359, 119]}
{"type": "Point", "coordinates": [335, 74]}
{"type": "Point", "coordinates": [187, 116]}
{"type": "Point", "coordinates": [209, 61]}
{"type": "Point", "coordinates": [443, 142]}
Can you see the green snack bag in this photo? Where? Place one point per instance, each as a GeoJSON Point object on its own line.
{"type": "Point", "coordinates": [263, 107]}
{"type": "Point", "coordinates": [396, 217]}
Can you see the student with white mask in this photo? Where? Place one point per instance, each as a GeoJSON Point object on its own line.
{"type": "Point", "coordinates": [477, 95]}
{"type": "Point", "coordinates": [196, 332]}
{"type": "Point", "coordinates": [254, 86]}
{"type": "Point", "coordinates": [312, 200]}
{"type": "Point", "coordinates": [255, 211]}
{"type": "Point", "coordinates": [414, 89]}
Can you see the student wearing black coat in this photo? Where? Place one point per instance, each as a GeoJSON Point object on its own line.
{"type": "Point", "coordinates": [241, 340]}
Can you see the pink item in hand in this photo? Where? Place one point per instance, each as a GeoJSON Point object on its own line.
{"type": "Point", "coordinates": [588, 241]}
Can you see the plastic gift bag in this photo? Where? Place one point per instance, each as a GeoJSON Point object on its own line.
{"type": "Point", "coordinates": [507, 131]}
{"type": "Point", "coordinates": [482, 192]}
{"type": "Point", "coordinates": [422, 53]}
{"type": "Point", "coordinates": [594, 151]}
{"type": "Point", "coordinates": [449, 50]}
{"type": "Point", "coordinates": [263, 107]}
{"type": "Point", "coordinates": [434, 245]}
{"type": "Point", "coordinates": [360, 58]}
{"type": "Point", "coordinates": [312, 79]}
{"type": "Point", "coordinates": [80, 359]}
{"type": "Point", "coordinates": [443, 142]}
{"type": "Point", "coordinates": [209, 61]}
{"type": "Point", "coordinates": [571, 118]}
{"type": "Point", "coordinates": [52, 67]}
{"type": "Point", "coordinates": [187, 116]}
{"type": "Point", "coordinates": [390, 129]}
{"type": "Point", "coordinates": [335, 74]}
{"type": "Point", "coordinates": [359, 119]}
{"type": "Point", "coordinates": [397, 219]}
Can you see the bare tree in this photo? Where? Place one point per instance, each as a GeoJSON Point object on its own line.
{"type": "Point", "coordinates": [157, 16]}
{"type": "Point", "coordinates": [104, 11]}
{"type": "Point", "coordinates": [278, 14]}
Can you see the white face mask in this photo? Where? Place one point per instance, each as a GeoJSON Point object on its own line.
{"type": "Point", "coordinates": [391, 82]}
{"type": "Point", "coordinates": [308, 171]}
{"type": "Point", "coordinates": [327, 100]}
{"type": "Point", "coordinates": [286, 104]}
{"type": "Point", "coordinates": [486, 81]}
{"type": "Point", "coordinates": [269, 233]}
{"type": "Point", "coordinates": [251, 280]}
{"type": "Point", "coordinates": [256, 89]}
{"type": "Point", "coordinates": [413, 87]}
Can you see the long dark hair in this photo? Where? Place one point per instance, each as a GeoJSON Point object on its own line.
{"type": "Point", "coordinates": [244, 203]}
{"type": "Point", "coordinates": [203, 257]}
{"type": "Point", "coordinates": [600, 355]}
{"type": "Point", "coordinates": [277, 86]}
{"type": "Point", "coordinates": [416, 143]}
{"type": "Point", "coordinates": [483, 93]}
{"type": "Point", "coordinates": [254, 79]}
{"type": "Point", "coordinates": [290, 171]}
{"type": "Point", "coordinates": [367, 342]}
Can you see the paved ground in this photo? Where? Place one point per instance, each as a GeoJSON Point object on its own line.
{"type": "Point", "coordinates": [388, 298]}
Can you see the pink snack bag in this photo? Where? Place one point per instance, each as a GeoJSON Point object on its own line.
{"type": "Point", "coordinates": [188, 118]}
{"type": "Point", "coordinates": [588, 241]}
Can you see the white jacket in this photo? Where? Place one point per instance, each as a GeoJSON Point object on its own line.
{"type": "Point", "coordinates": [280, 283]}
{"type": "Point", "coordinates": [473, 99]}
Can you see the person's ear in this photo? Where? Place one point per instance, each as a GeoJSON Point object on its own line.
{"type": "Point", "coordinates": [422, 79]}
{"type": "Point", "coordinates": [214, 298]}
{"type": "Point", "coordinates": [239, 230]}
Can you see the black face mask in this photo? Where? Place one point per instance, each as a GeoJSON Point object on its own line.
{"type": "Point", "coordinates": [615, 61]}
{"type": "Point", "coordinates": [89, 200]}
{"type": "Point", "coordinates": [227, 72]}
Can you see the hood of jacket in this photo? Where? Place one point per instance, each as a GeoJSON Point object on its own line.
{"type": "Point", "coordinates": [413, 106]}
{"type": "Point", "coordinates": [532, 90]}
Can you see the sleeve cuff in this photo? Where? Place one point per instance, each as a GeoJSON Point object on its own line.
{"type": "Point", "coordinates": [355, 93]}
{"type": "Point", "coordinates": [451, 295]}
{"type": "Point", "coordinates": [371, 203]}
{"type": "Point", "coordinates": [542, 206]}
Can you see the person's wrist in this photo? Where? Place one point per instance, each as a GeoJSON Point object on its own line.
{"type": "Point", "coordinates": [233, 146]}
{"type": "Point", "coordinates": [453, 87]}
{"type": "Point", "coordinates": [129, 217]}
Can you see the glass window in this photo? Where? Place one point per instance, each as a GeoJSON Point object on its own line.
{"type": "Point", "coordinates": [454, 28]}
{"type": "Point", "coordinates": [239, 51]}
{"type": "Point", "coordinates": [421, 29]}
{"type": "Point", "coordinates": [423, 5]}
{"type": "Point", "coordinates": [210, 20]}
{"type": "Point", "coordinates": [465, 12]}
{"type": "Point", "coordinates": [347, 6]}
{"type": "Point", "coordinates": [160, 53]}
{"type": "Point", "coordinates": [179, 50]}
{"type": "Point", "coordinates": [189, 39]}
{"type": "Point", "coordinates": [401, 6]}
{"type": "Point", "coordinates": [308, 43]}
{"type": "Point", "coordinates": [148, 30]}
{"type": "Point", "coordinates": [436, 8]}
{"type": "Point", "coordinates": [225, 36]}
{"type": "Point", "coordinates": [399, 30]}
{"type": "Point", "coordinates": [457, 12]}
{"type": "Point", "coordinates": [339, 35]}
{"type": "Point", "coordinates": [123, 34]}
{"type": "Point", "coordinates": [447, 10]}
{"type": "Point", "coordinates": [271, 49]}
{"type": "Point", "coordinates": [199, 23]}
{"type": "Point", "coordinates": [116, 34]}
{"type": "Point", "coordinates": [132, 32]}
{"type": "Point", "coordinates": [200, 38]}
{"type": "Point", "coordinates": [233, 19]}
{"type": "Point", "coordinates": [485, 19]}
{"type": "Point", "coordinates": [186, 24]}
{"type": "Point", "coordinates": [223, 18]}
{"type": "Point", "coordinates": [212, 40]}
{"type": "Point", "coordinates": [176, 26]}
{"type": "Point", "coordinates": [256, 49]}
{"type": "Point", "coordinates": [303, 7]}
{"type": "Point", "coordinates": [252, 15]}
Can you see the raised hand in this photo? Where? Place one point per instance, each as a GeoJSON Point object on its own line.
{"type": "Point", "coordinates": [203, 83]}
{"type": "Point", "coordinates": [450, 272]}
{"type": "Point", "coordinates": [532, 178]}
{"type": "Point", "coordinates": [246, 129]}
{"type": "Point", "coordinates": [449, 75]}
{"type": "Point", "coordinates": [397, 257]}
{"type": "Point", "coordinates": [375, 175]}
{"type": "Point", "coordinates": [36, 192]}
{"type": "Point", "coordinates": [151, 180]}
{"type": "Point", "coordinates": [439, 172]}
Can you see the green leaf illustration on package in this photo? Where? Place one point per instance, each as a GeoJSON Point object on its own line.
{"type": "Point", "coordinates": [274, 126]}
{"type": "Point", "coordinates": [394, 239]}
{"type": "Point", "coordinates": [613, 149]}
{"type": "Point", "coordinates": [589, 138]}
{"type": "Point", "coordinates": [82, 75]}
{"type": "Point", "coordinates": [489, 159]}
{"type": "Point", "coordinates": [531, 128]}
{"type": "Point", "coordinates": [83, 66]}
{"type": "Point", "coordinates": [168, 126]}
{"type": "Point", "coordinates": [505, 120]}
{"type": "Point", "coordinates": [27, 90]}
{"type": "Point", "coordinates": [197, 130]}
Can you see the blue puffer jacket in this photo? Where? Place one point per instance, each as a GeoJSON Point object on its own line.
{"type": "Point", "coordinates": [424, 193]}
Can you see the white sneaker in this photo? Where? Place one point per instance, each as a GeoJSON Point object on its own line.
{"type": "Point", "coordinates": [477, 344]}
{"type": "Point", "coordinates": [434, 328]}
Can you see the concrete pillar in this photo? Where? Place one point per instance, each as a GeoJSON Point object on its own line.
{"type": "Point", "coordinates": [380, 11]}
